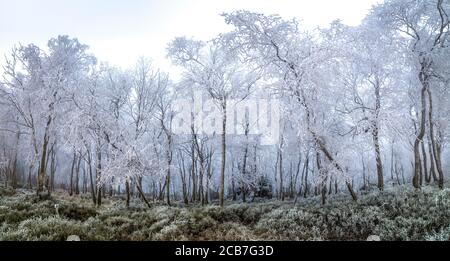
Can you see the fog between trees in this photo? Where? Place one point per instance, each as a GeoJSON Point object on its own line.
{"type": "Point", "coordinates": [361, 108]}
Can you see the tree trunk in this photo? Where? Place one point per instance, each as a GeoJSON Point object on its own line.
{"type": "Point", "coordinates": [378, 160]}
{"type": "Point", "coordinates": [201, 177]}
{"type": "Point", "coordinates": [169, 164]}
{"type": "Point", "coordinates": [300, 190]}
{"type": "Point", "coordinates": [84, 188]}
{"type": "Point", "coordinates": [417, 162]}
{"type": "Point", "coordinates": [193, 171]}
{"type": "Point", "coordinates": [375, 135]}
{"type": "Point", "coordinates": [364, 187]}
{"type": "Point", "coordinates": [71, 173]}
{"type": "Point", "coordinates": [324, 179]}
{"type": "Point", "coordinates": [208, 176]}
{"type": "Point", "coordinates": [143, 197]}
{"type": "Point", "coordinates": [30, 185]}
{"type": "Point", "coordinates": [436, 147]}
{"type": "Point", "coordinates": [439, 166]}
{"type": "Point", "coordinates": [127, 191]}
{"type": "Point", "coordinates": [42, 166]}
{"type": "Point", "coordinates": [402, 171]}
{"type": "Point", "coordinates": [305, 194]}
{"type": "Point", "coordinates": [432, 172]}
{"type": "Point", "coordinates": [168, 186]}
{"type": "Point", "coordinates": [276, 174]}
{"type": "Point", "coordinates": [244, 167]}
{"type": "Point", "coordinates": [280, 165]}
{"type": "Point", "coordinates": [233, 184]}
{"type": "Point", "coordinates": [425, 166]}
{"type": "Point", "coordinates": [14, 170]}
{"type": "Point", "coordinates": [335, 186]}
{"type": "Point", "coordinates": [77, 176]}
{"type": "Point", "coordinates": [336, 165]}
{"type": "Point", "coordinates": [419, 138]}
{"type": "Point", "coordinates": [183, 179]}
{"type": "Point", "coordinates": [392, 163]}
{"type": "Point", "coordinates": [93, 188]}
{"type": "Point", "coordinates": [52, 169]}
{"type": "Point", "coordinates": [330, 188]}
{"type": "Point", "coordinates": [223, 159]}
{"type": "Point", "coordinates": [99, 175]}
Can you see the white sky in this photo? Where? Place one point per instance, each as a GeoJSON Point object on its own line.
{"type": "Point", "coordinates": [120, 31]}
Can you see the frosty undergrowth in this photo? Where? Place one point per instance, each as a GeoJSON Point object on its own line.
{"type": "Point", "coordinates": [393, 215]}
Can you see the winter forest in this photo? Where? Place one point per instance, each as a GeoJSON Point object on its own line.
{"type": "Point", "coordinates": [271, 131]}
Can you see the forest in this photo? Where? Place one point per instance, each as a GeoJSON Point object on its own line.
{"type": "Point", "coordinates": [271, 132]}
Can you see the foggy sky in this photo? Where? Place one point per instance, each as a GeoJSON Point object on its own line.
{"type": "Point", "coordinates": [120, 31]}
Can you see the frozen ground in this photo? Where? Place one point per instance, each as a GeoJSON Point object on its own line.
{"type": "Point", "coordinates": [399, 214]}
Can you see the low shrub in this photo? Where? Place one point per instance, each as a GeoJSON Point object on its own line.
{"type": "Point", "coordinates": [393, 215]}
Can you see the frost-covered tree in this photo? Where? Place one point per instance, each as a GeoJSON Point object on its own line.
{"type": "Point", "coordinates": [215, 68]}
{"type": "Point", "coordinates": [295, 59]}
{"type": "Point", "coordinates": [51, 78]}
{"type": "Point", "coordinates": [425, 28]}
{"type": "Point", "coordinates": [360, 107]}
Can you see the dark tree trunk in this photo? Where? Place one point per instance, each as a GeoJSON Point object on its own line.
{"type": "Point", "coordinates": [99, 176]}
{"type": "Point", "coordinates": [375, 135]}
{"type": "Point", "coordinates": [77, 176]}
{"type": "Point", "coordinates": [193, 172]}
{"type": "Point", "coordinates": [143, 197]}
{"type": "Point", "coordinates": [14, 170]}
{"type": "Point", "coordinates": [425, 166]}
{"type": "Point", "coordinates": [364, 187]}
{"type": "Point", "coordinates": [436, 147]}
{"type": "Point", "coordinates": [127, 191]}
{"type": "Point", "coordinates": [169, 164]}
{"type": "Point", "coordinates": [417, 162]}
{"type": "Point", "coordinates": [71, 173]}
{"type": "Point", "coordinates": [91, 178]}
{"type": "Point", "coordinates": [244, 167]}
{"type": "Point", "coordinates": [432, 172]}
{"type": "Point", "coordinates": [223, 156]}
{"type": "Point", "coordinates": [305, 194]}
{"type": "Point", "coordinates": [183, 180]}
{"type": "Point", "coordinates": [392, 163]}
{"type": "Point", "coordinates": [52, 169]}
{"type": "Point", "coordinates": [42, 165]}
{"type": "Point", "coordinates": [280, 165]}
{"type": "Point", "coordinates": [324, 179]}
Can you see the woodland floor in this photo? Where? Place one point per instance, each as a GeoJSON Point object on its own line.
{"type": "Point", "coordinates": [396, 214]}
